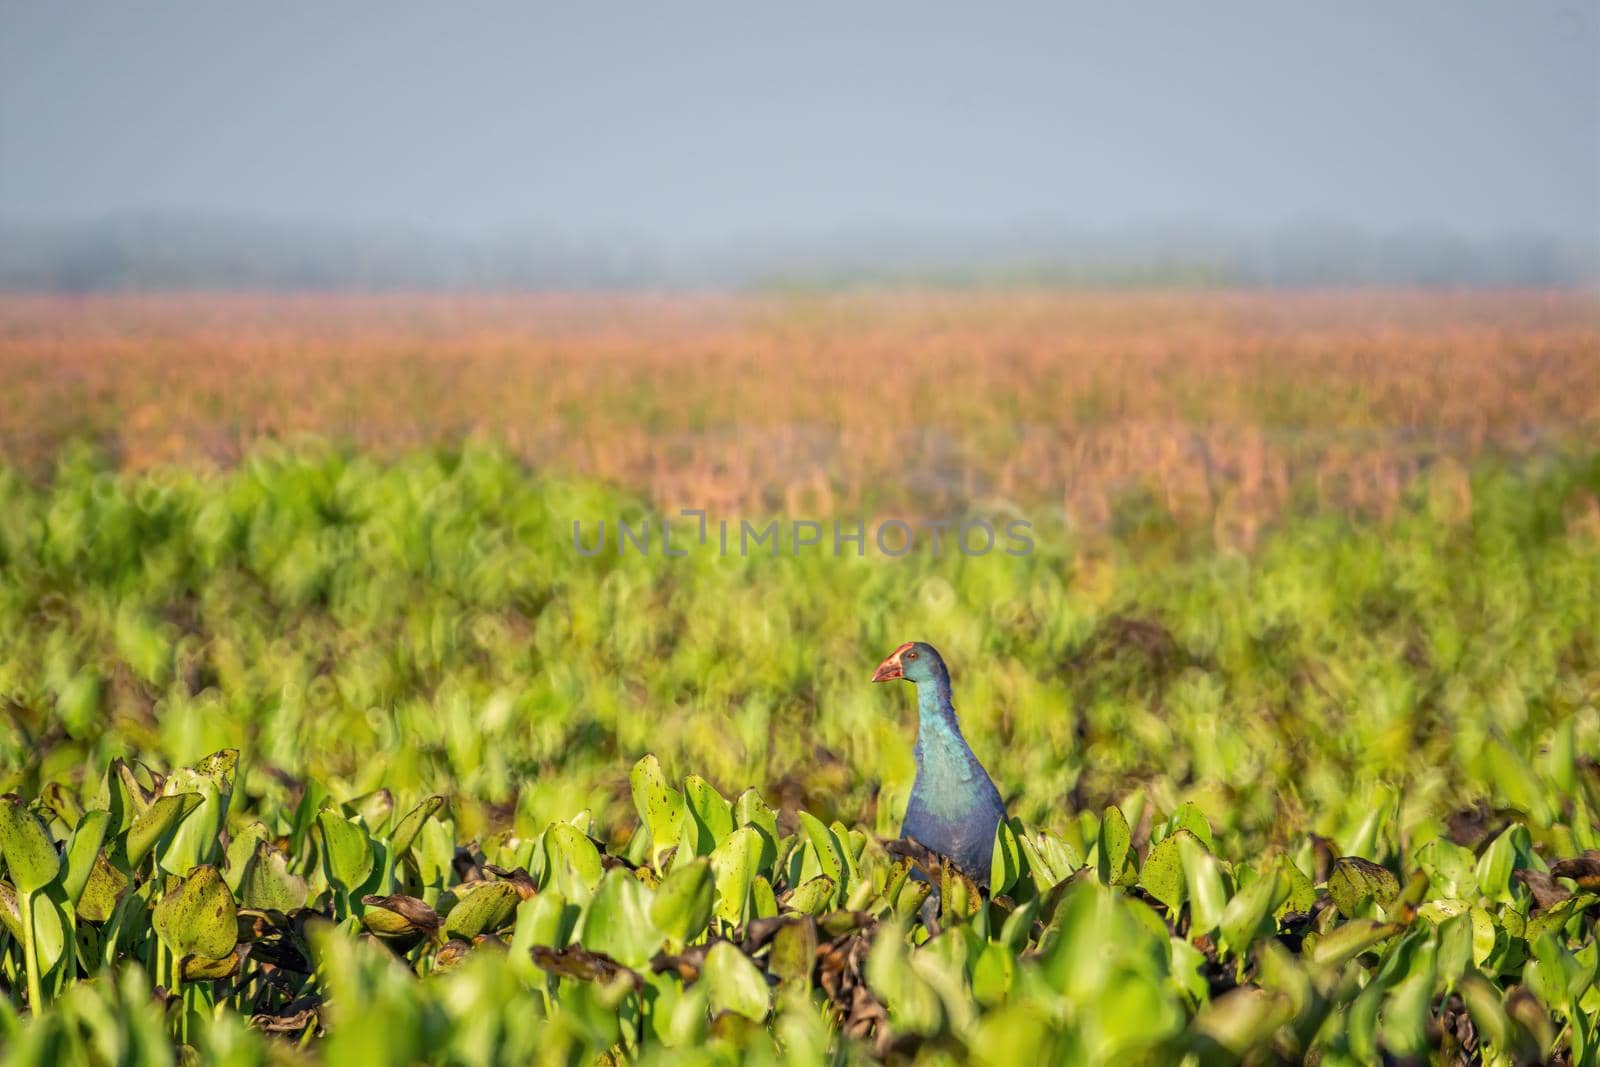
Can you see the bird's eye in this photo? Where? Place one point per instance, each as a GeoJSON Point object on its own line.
{"type": "Point", "coordinates": [911, 655]}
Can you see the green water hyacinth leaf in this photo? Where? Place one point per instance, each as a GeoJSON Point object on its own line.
{"type": "Point", "coordinates": [82, 851]}
{"type": "Point", "coordinates": [735, 984]}
{"type": "Point", "coordinates": [1244, 1018]}
{"type": "Point", "coordinates": [846, 847]}
{"type": "Point", "coordinates": [1488, 937]}
{"type": "Point", "coordinates": [958, 895]}
{"type": "Point", "coordinates": [1115, 837]}
{"type": "Point", "coordinates": [1362, 1016]}
{"type": "Point", "coordinates": [198, 917]}
{"type": "Point", "coordinates": [994, 974]}
{"type": "Point", "coordinates": [1510, 850]}
{"type": "Point", "coordinates": [154, 821]}
{"type": "Point", "coordinates": [434, 851]}
{"type": "Point", "coordinates": [201, 969]}
{"type": "Point", "coordinates": [678, 1014]}
{"type": "Point", "coordinates": [793, 955]}
{"type": "Point", "coordinates": [484, 908]}
{"type": "Point", "coordinates": [681, 909]}
{"type": "Point", "coordinates": [1189, 817]}
{"type": "Point", "coordinates": [51, 927]}
{"type": "Point", "coordinates": [660, 807]}
{"type": "Point", "coordinates": [1554, 975]}
{"type": "Point", "coordinates": [1354, 881]}
{"type": "Point", "coordinates": [709, 817]}
{"type": "Point", "coordinates": [88, 945]}
{"type": "Point", "coordinates": [1018, 927]}
{"type": "Point", "coordinates": [1451, 869]}
{"type": "Point", "coordinates": [137, 785]}
{"type": "Point", "coordinates": [346, 851]}
{"type": "Point", "coordinates": [1186, 963]}
{"type": "Point", "coordinates": [398, 919]}
{"type": "Point", "coordinates": [1302, 893]}
{"type": "Point", "coordinates": [269, 885]}
{"type": "Point", "coordinates": [545, 920]}
{"type": "Point", "coordinates": [1015, 1034]}
{"type": "Point", "coordinates": [575, 866]}
{"type": "Point", "coordinates": [830, 856]}
{"type": "Point", "coordinates": [375, 809]}
{"type": "Point", "coordinates": [10, 911]}
{"type": "Point", "coordinates": [912, 895]}
{"type": "Point", "coordinates": [1146, 916]}
{"type": "Point", "coordinates": [1203, 883]}
{"type": "Point", "coordinates": [62, 804]}
{"type": "Point", "coordinates": [1516, 781]}
{"type": "Point", "coordinates": [102, 891]}
{"type": "Point", "coordinates": [26, 847]}
{"type": "Point", "coordinates": [1488, 1011]}
{"type": "Point", "coordinates": [895, 878]}
{"type": "Point", "coordinates": [914, 1005]}
{"type": "Point", "coordinates": [1550, 920]}
{"type": "Point", "coordinates": [1380, 813]}
{"type": "Point", "coordinates": [751, 810]}
{"type": "Point", "coordinates": [1051, 861]}
{"type": "Point", "coordinates": [1162, 873]}
{"type": "Point", "coordinates": [619, 922]}
{"type": "Point", "coordinates": [736, 862]}
{"type": "Point", "coordinates": [763, 898]}
{"type": "Point", "coordinates": [113, 797]}
{"type": "Point", "coordinates": [1454, 953]}
{"type": "Point", "coordinates": [811, 897]}
{"type": "Point", "coordinates": [1352, 939]}
{"type": "Point", "coordinates": [410, 825]}
{"type": "Point", "coordinates": [1361, 1020]}
{"type": "Point", "coordinates": [1005, 860]}
{"type": "Point", "coordinates": [240, 852]}
{"type": "Point", "coordinates": [1438, 911]}
{"type": "Point", "coordinates": [1248, 914]}
{"type": "Point", "coordinates": [1562, 759]}
{"type": "Point", "coordinates": [193, 840]}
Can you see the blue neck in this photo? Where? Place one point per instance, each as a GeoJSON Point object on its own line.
{"type": "Point", "coordinates": [951, 784]}
{"type": "Point", "coordinates": [933, 703]}
{"type": "Point", "coordinates": [940, 746]}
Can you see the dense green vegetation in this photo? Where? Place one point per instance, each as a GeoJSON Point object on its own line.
{"type": "Point", "coordinates": [1335, 793]}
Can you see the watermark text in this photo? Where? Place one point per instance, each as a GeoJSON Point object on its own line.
{"type": "Point", "coordinates": [655, 536]}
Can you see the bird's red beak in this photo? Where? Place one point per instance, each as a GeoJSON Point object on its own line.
{"type": "Point", "coordinates": [889, 669]}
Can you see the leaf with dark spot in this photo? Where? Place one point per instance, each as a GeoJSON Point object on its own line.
{"type": "Point", "coordinates": [105, 888]}
{"type": "Point", "coordinates": [29, 853]}
{"type": "Point", "coordinates": [198, 917]}
{"type": "Point", "coordinates": [269, 885]}
{"type": "Point", "coordinates": [293, 1018]}
{"type": "Point", "coordinates": [1355, 881]}
{"type": "Point", "coordinates": [686, 965]}
{"type": "Point", "coordinates": [1584, 869]}
{"type": "Point", "coordinates": [793, 956]}
{"type": "Point", "coordinates": [1546, 893]}
{"type": "Point", "coordinates": [451, 954]}
{"type": "Point", "coordinates": [201, 968]}
{"type": "Point", "coordinates": [485, 907]}
{"type": "Point", "coordinates": [400, 920]}
{"type": "Point", "coordinates": [575, 962]}
{"type": "Point", "coordinates": [518, 877]}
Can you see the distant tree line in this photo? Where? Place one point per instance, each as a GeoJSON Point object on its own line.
{"type": "Point", "coordinates": [165, 252]}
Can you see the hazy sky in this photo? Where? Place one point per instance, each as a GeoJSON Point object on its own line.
{"type": "Point", "coordinates": [690, 121]}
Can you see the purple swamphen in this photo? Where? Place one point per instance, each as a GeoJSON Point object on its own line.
{"type": "Point", "coordinates": [954, 807]}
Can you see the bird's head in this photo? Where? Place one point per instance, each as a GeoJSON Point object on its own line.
{"type": "Point", "coordinates": [915, 661]}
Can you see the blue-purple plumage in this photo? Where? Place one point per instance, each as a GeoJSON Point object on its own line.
{"type": "Point", "coordinates": [954, 807]}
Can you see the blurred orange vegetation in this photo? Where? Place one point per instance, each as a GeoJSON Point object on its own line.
{"type": "Point", "coordinates": [1215, 405]}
